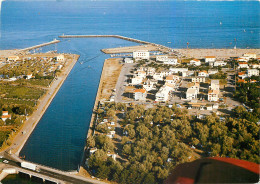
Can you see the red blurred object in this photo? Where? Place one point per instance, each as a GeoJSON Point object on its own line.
{"type": "Point", "coordinates": [215, 170]}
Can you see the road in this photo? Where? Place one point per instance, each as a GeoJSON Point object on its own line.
{"type": "Point", "coordinates": [15, 162]}
{"type": "Point", "coordinates": [121, 82]}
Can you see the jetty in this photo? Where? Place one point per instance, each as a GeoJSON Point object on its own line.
{"type": "Point", "coordinates": [161, 48]}
{"type": "Point", "coordinates": [40, 45]}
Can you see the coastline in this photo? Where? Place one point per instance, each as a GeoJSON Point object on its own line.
{"type": "Point", "coordinates": [29, 125]}
{"type": "Point", "coordinates": [99, 97]}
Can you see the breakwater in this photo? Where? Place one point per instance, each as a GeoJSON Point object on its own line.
{"type": "Point", "coordinates": [40, 45]}
{"type": "Point", "coordinates": [162, 48]}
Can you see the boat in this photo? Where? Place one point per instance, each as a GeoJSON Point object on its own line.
{"type": "Point", "coordinates": [244, 30]}
{"type": "Point", "coordinates": [220, 23]}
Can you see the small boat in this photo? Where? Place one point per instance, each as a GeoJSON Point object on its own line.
{"type": "Point", "coordinates": [220, 23]}
{"type": "Point", "coordinates": [244, 30]}
{"type": "Point", "coordinates": [169, 42]}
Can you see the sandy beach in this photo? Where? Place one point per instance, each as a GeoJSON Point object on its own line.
{"type": "Point", "coordinates": [218, 53]}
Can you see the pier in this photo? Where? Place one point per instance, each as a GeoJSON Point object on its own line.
{"type": "Point", "coordinates": [40, 45]}
{"type": "Point", "coordinates": [161, 48]}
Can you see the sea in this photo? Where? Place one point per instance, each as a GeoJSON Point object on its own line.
{"type": "Point", "coordinates": [59, 138]}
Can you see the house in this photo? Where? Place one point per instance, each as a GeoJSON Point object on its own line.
{"type": "Point", "coordinates": [136, 80]}
{"type": "Point", "coordinates": [213, 95]}
{"type": "Point", "coordinates": [220, 63]}
{"type": "Point", "coordinates": [141, 74]}
{"type": "Point", "coordinates": [112, 155]}
{"type": "Point", "coordinates": [241, 81]}
{"type": "Point", "coordinates": [255, 66]}
{"type": "Point", "coordinates": [162, 58]}
{"type": "Point", "coordinates": [242, 65]}
{"type": "Point", "coordinates": [5, 115]}
{"type": "Point", "coordinates": [149, 84]}
{"type": "Point", "coordinates": [177, 70]}
{"type": "Point", "coordinates": [29, 76]}
{"type": "Point", "coordinates": [60, 57]}
{"type": "Point", "coordinates": [243, 59]}
{"type": "Point", "coordinates": [139, 55]}
{"type": "Point", "coordinates": [242, 75]}
{"type": "Point", "coordinates": [165, 73]}
{"type": "Point", "coordinates": [212, 71]}
{"type": "Point", "coordinates": [128, 60]}
{"type": "Point", "coordinates": [198, 79]}
{"type": "Point", "coordinates": [140, 94]}
{"type": "Point", "coordinates": [150, 71]}
{"type": "Point", "coordinates": [171, 61]}
{"type": "Point", "coordinates": [194, 85]}
{"type": "Point", "coordinates": [191, 94]}
{"type": "Point", "coordinates": [12, 58]}
{"type": "Point", "coordinates": [162, 95]}
{"type": "Point", "coordinates": [210, 59]}
{"type": "Point", "coordinates": [195, 62]}
{"type": "Point", "coordinates": [250, 55]}
{"type": "Point", "coordinates": [92, 150]}
{"type": "Point", "coordinates": [158, 76]}
{"type": "Point", "coordinates": [203, 73]}
{"type": "Point", "coordinates": [252, 72]}
{"type": "Point", "coordinates": [172, 79]}
{"type": "Point", "coordinates": [214, 84]}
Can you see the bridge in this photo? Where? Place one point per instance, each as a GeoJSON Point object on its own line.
{"type": "Point", "coordinates": [44, 173]}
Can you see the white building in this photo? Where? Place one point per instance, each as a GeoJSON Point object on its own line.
{"type": "Point", "coordinates": [252, 72]}
{"type": "Point", "coordinates": [250, 55]}
{"type": "Point", "coordinates": [194, 85]}
{"type": "Point", "coordinates": [150, 71]}
{"type": "Point", "coordinates": [213, 95]}
{"type": "Point", "coordinates": [214, 85]}
{"type": "Point", "coordinates": [242, 75]}
{"type": "Point", "coordinates": [171, 61]}
{"type": "Point", "coordinates": [243, 65]}
{"type": "Point", "coordinates": [203, 73]}
{"type": "Point", "coordinates": [141, 74]}
{"type": "Point", "coordinates": [220, 63]}
{"type": "Point", "coordinates": [5, 116]}
{"type": "Point", "coordinates": [158, 76]}
{"type": "Point", "coordinates": [136, 80]}
{"type": "Point", "coordinates": [138, 55]}
{"type": "Point", "coordinates": [128, 60]}
{"type": "Point", "coordinates": [149, 85]}
{"type": "Point", "coordinates": [177, 70]}
{"type": "Point", "coordinates": [212, 71]}
{"type": "Point", "coordinates": [195, 62]}
{"type": "Point", "coordinates": [255, 66]}
{"type": "Point", "coordinates": [191, 94]}
{"type": "Point", "coordinates": [209, 59]}
{"type": "Point", "coordinates": [162, 58]}
{"type": "Point", "coordinates": [172, 79]}
{"type": "Point", "coordinates": [60, 57]}
{"type": "Point", "coordinates": [13, 58]}
{"type": "Point", "coordinates": [163, 94]}
{"type": "Point", "coordinates": [198, 79]}
{"type": "Point", "coordinates": [140, 94]}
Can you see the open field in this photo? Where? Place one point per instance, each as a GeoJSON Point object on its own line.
{"type": "Point", "coordinates": [110, 74]}
{"type": "Point", "coordinates": [218, 53]}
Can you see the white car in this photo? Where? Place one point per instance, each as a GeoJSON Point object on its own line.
{"type": "Point", "coordinates": [6, 161]}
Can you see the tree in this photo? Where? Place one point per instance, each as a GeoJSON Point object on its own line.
{"type": "Point", "coordinates": [91, 142]}
{"type": "Point", "coordinates": [127, 149]}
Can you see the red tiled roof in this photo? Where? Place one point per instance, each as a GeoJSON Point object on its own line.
{"type": "Point", "coordinates": [140, 91]}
